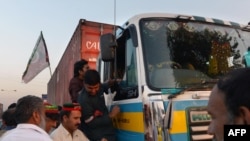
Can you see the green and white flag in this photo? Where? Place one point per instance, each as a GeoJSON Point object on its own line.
{"type": "Point", "coordinates": [38, 61]}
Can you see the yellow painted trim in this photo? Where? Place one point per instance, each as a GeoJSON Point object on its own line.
{"type": "Point", "coordinates": [179, 122]}
{"type": "Point", "coordinates": [131, 121]}
{"type": "Point", "coordinates": [134, 122]}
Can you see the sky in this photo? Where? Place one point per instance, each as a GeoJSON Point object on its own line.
{"type": "Point", "coordinates": [21, 22]}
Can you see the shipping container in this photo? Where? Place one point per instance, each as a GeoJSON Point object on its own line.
{"type": "Point", "coordinates": [84, 44]}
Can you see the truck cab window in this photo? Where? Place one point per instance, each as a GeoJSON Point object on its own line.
{"type": "Point", "coordinates": [131, 64]}
{"type": "Point", "coordinates": [127, 69]}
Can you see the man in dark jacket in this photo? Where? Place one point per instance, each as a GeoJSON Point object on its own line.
{"type": "Point", "coordinates": [96, 120]}
{"type": "Point", "coordinates": [76, 83]}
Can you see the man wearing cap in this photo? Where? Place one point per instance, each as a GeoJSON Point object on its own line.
{"type": "Point", "coordinates": [70, 115]}
{"type": "Point", "coordinates": [52, 117]}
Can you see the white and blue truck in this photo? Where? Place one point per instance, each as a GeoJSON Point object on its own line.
{"type": "Point", "coordinates": [168, 64]}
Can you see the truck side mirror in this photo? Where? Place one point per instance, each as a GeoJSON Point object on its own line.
{"type": "Point", "coordinates": [107, 47]}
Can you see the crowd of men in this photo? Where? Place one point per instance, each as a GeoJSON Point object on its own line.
{"type": "Point", "coordinates": [86, 117]}
{"type": "Point", "coordinates": [33, 119]}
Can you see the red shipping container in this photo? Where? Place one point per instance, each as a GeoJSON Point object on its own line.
{"type": "Point", "coordinates": [83, 44]}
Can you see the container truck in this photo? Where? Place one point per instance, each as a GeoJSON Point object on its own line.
{"type": "Point", "coordinates": [84, 44]}
{"type": "Point", "coordinates": [168, 64]}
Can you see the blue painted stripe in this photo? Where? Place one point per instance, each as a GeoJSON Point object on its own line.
{"type": "Point", "coordinates": [123, 135]}
{"type": "Point", "coordinates": [133, 136]}
{"type": "Point", "coordinates": [179, 137]}
{"type": "Point", "coordinates": [182, 105]}
{"type": "Point", "coordinates": [131, 107]}
{"type": "Point", "coordinates": [177, 105]}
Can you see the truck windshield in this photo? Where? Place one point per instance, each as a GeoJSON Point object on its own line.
{"type": "Point", "coordinates": [183, 54]}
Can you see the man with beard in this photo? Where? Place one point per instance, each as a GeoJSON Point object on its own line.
{"type": "Point", "coordinates": [30, 118]}
{"type": "Point", "coordinates": [70, 115]}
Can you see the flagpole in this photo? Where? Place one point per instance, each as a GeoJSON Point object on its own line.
{"type": "Point", "coordinates": [47, 54]}
{"type": "Point", "coordinates": [50, 71]}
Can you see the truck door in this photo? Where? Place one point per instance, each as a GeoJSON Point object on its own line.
{"type": "Point", "coordinates": [129, 122]}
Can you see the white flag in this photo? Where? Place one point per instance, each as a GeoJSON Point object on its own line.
{"type": "Point", "coordinates": [38, 61]}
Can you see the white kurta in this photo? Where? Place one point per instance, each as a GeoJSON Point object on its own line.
{"type": "Point", "coordinates": [26, 132]}
{"type": "Point", "coordinates": [61, 134]}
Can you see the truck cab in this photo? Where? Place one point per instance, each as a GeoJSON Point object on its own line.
{"type": "Point", "coordinates": [168, 64]}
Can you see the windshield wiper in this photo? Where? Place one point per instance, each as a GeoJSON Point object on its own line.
{"type": "Point", "coordinates": [204, 84]}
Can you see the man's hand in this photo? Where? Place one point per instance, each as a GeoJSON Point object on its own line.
{"type": "Point", "coordinates": [111, 82]}
{"type": "Point", "coordinates": [114, 112]}
{"type": "Point", "coordinates": [104, 139]}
